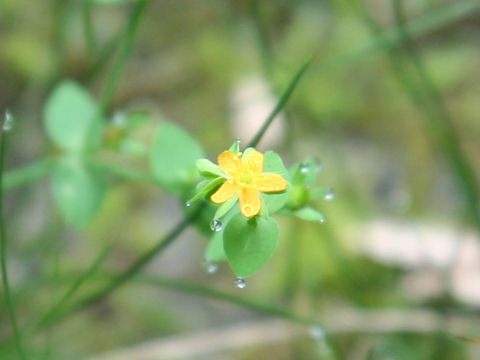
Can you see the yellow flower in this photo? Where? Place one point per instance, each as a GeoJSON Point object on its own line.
{"type": "Point", "coordinates": [245, 179]}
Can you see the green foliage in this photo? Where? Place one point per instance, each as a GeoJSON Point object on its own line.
{"type": "Point", "coordinates": [215, 251]}
{"type": "Point", "coordinates": [274, 164]}
{"type": "Point", "coordinates": [72, 118]}
{"type": "Point", "coordinates": [77, 189]}
{"type": "Point", "coordinates": [310, 214]}
{"type": "Point", "coordinates": [173, 158]}
{"type": "Point", "coordinates": [250, 243]}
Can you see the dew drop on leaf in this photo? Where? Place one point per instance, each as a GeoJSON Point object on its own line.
{"type": "Point", "coordinates": [210, 267]}
{"type": "Point", "coordinates": [216, 225]}
{"type": "Point", "coordinates": [188, 204]}
{"type": "Point", "coordinates": [119, 120]}
{"type": "Point", "coordinates": [329, 194]}
{"type": "Point", "coordinates": [317, 332]}
{"type": "Point", "coordinates": [240, 283]}
{"type": "Point", "coordinates": [304, 169]}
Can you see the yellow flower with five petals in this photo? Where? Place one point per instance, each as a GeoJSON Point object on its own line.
{"type": "Point", "coordinates": [246, 179]}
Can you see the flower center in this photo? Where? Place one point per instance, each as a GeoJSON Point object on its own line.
{"type": "Point", "coordinates": [245, 177]}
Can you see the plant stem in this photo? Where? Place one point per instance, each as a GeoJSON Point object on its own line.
{"type": "Point", "coordinates": [27, 174]}
{"type": "Point", "coordinates": [75, 286]}
{"type": "Point", "coordinates": [3, 256]}
{"type": "Point", "coordinates": [440, 120]}
{"type": "Point", "coordinates": [129, 36]}
{"type": "Point", "coordinates": [281, 103]}
{"type": "Point", "coordinates": [199, 290]}
{"type": "Point", "coordinates": [138, 265]}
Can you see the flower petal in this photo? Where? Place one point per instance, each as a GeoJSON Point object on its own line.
{"type": "Point", "coordinates": [253, 161]}
{"type": "Point", "coordinates": [250, 202]}
{"type": "Point", "coordinates": [225, 192]}
{"type": "Point", "coordinates": [229, 162]}
{"type": "Point", "coordinates": [270, 182]}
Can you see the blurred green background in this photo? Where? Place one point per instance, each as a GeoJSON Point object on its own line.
{"type": "Point", "coordinates": [389, 106]}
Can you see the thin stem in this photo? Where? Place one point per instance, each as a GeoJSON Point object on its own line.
{"type": "Point", "coordinates": [124, 172]}
{"type": "Point", "coordinates": [3, 257]}
{"type": "Point", "coordinates": [135, 268]}
{"type": "Point", "coordinates": [54, 310]}
{"type": "Point", "coordinates": [446, 134]}
{"type": "Point", "coordinates": [129, 37]}
{"type": "Point", "coordinates": [88, 26]}
{"type": "Point", "coordinates": [199, 290]}
{"type": "Point", "coordinates": [281, 103]}
{"type": "Point", "coordinates": [27, 174]}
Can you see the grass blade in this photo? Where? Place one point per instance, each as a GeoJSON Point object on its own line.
{"type": "Point", "coordinates": [3, 256]}
{"type": "Point", "coordinates": [281, 103]}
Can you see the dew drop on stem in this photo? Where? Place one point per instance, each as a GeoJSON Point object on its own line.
{"type": "Point", "coordinates": [8, 121]}
{"type": "Point", "coordinates": [216, 225]}
{"type": "Point", "coordinates": [240, 283]}
{"type": "Point", "coordinates": [188, 204]}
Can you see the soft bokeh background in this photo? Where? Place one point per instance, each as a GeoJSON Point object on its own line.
{"type": "Point", "coordinates": [394, 273]}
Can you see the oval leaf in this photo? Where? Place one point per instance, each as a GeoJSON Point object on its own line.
{"type": "Point", "coordinates": [274, 164]}
{"type": "Point", "coordinates": [173, 158]}
{"type": "Point", "coordinates": [71, 118]}
{"type": "Point", "coordinates": [78, 190]}
{"type": "Point", "coordinates": [249, 243]}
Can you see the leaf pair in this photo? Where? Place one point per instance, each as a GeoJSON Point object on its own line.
{"type": "Point", "coordinates": [73, 124]}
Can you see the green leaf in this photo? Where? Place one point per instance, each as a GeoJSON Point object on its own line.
{"type": "Point", "coordinates": [274, 164]}
{"type": "Point", "coordinates": [208, 188]}
{"type": "Point", "coordinates": [225, 207]}
{"type": "Point", "coordinates": [249, 243]}
{"type": "Point", "coordinates": [310, 214]}
{"type": "Point", "coordinates": [207, 168]}
{"type": "Point", "coordinates": [215, 250]}
{"type": "Point", "coordinates": [77, 190]}
{"type": "Point", "coordinates": [305, 173]}
{"type": "Point", "coordinates": [173, 158]}
{"type": "Point", "coordinates": [235, 148]}
{"type": "Point", "coordinates": [72, 118]}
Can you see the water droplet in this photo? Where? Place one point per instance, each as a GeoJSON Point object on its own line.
{"type": "Point", "coordinates": [210, 267]}
{"type": "Point", "coordinates": [238, 141]}
{"type": "Point", "coordinates": [322, 219]}
{"type": "Point", "coordinates": [188, 204]}
{"type": "Point", "coordinates": [216, 225]}
{"type": "Point", "coordinates": [317, 332]}
{"type": "Point", "coordinates": [240, 283]}
{"type": "Point", "coordinates": [304, 168]}
{"type": "Point", "coordinates": [119, 120]}
{"type": "Point", "coordinates": [329, 194]}
{"type": "Point", "coordinates": [8, 121]}
{"type": "Point", "coordinates": [318, 164]}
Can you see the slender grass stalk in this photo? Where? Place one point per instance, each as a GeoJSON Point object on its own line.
{"type": "Point", "coordinates": [88, 30]}
{"type": "Point", "coordinates": [124, 172]}
{"type": "Point", "coordinates": [92, 269]}
{"type": "Point", "coordinates": [3, 257]}
{"type": "Point", "coordinates": [204, 291]}
{"type": "Point", "coordinates": [126, 49]}
{"type": "Point", "coordinates": [281, 103]}
{"type": "Point", "coordinates": [138, 265]}
{"type": "Point", "coordinates": [27, 174]}
{"type": "Point", "coordinates": [446, 134]}
{"type": "Point", "coordinates": [437, 121]}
